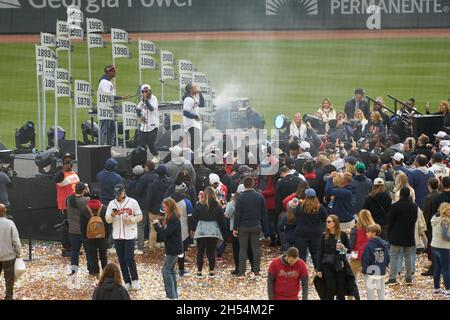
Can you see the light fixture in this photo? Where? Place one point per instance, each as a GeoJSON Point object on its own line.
{"type": "Point", "coordinates": [282, 122]}
{"type": "Point", "coordinates": [25, 134]}
{"type": "Point", "coordinates": [46, 161]}
{"type": "Point", "coordinates": [89, 135]}
{"type": "Point", "coordinates": [61, 134]}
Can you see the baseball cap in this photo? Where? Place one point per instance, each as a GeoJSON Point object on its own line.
{"type": "Point", "coordinates": [146, 87]}
{"type": "Point", "coordinates": [361, 167]}
{"type": "Point", "coordinates": [442, 135]}
{"type": "Point", "coordinates": [310, 193]}
{"type": "Point", "coordinates": [352, 160]}
{"type": "Point", "coordinates": [214, 178]}
{"type": "Point", "coordinates": [245, 169]}
{"type": "Point", "coordinates": [438, 156]}
{"type": "Point", "coordinates": [398, 157]}
{"type": "Point", "coordinates": [240, 188]}
{"type": "Point", "coordinates": [446, 150]}
{"type": "Point", "coordinates": [118, 189]}
{"type": "Point", "coordinates": [138, 170]}
{"type": "Point", "coordinates": [378, 182]}
{"type": "Point", "coordinates": [161, 170]}
{"type": "Point", "coordinates": [181, 187]}
{"type": "Point", "coordinates": [362, 142]}
{"type": "Point", "coordinates": [305, 145]}
{"type": "Point", "coordinates": [177, 150]}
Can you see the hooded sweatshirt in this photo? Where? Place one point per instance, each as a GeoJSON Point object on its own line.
{"type": "Point", "coordinates": [375, 257]}
{"type": "Point", "coordinates": [363, 186]}
{"type": "Point", "coordinates": [178, 164]}
{"type": "Point", "coordinates": [108, 178]}
{"type": "Point", "coordinates": [344, 204]}
{"type": "Point", "coordinates": [109, 290]}
{"type": "Point", "coordinates": [155, 193]}
{"type": "Point", "coordinates": [418, 179]}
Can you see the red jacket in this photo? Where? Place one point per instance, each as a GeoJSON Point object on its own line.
{"type": "Point", "coordinates": [287, 199]}
{"type": "Point", "coordinates": [287, 278]}
{"type": "Point", "coordinates": [361, 242]}
{"type": "Point", "coordinates": [66, 188]}
{"type": "Point", "coordinates": [269, 193]}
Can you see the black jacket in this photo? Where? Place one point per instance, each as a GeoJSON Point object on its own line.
{"type": "Point", "coordinates": [109, 290]}
{"type": "Point", "coordinates": [443, 197]}
{"type": "Point", "coordinates": [321, 182]}
{"type": "Point", "coordinates": [250, 210]}
{"type": "Point", "coordinates": [328, 248]}
{"type": "Point", "coordinates": [284, 188]}
{"type": "Point", "coordinates": [423, 150]}
{"type": "Point", "coordinates": [402, 222]}
{"type": "Point", "coordinates": [155, 193]}
{"type": "Point", "coordinates": [190, 192]}
{"type": "Point", "coordinates": [309, 226]}
{"type": "Point", "coordinates": [172, 236]}
{"type": "Point", "coordinates": [142, 186]}
{"type": "Point", "coordinates": [84, 220]}
{"type": "Point", "coordinates": [379, 207]}
{"type": "Point", "coordinates": [213, 213]}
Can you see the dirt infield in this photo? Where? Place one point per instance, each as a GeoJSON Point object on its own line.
{"type": "Point", "coordinates": [265, 35]}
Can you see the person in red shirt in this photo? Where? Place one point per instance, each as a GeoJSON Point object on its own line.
{"type": "Point", "coordinates": [284, 277]}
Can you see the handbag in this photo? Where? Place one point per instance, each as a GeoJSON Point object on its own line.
{"type": "Point", "coordinates": [19, 268]}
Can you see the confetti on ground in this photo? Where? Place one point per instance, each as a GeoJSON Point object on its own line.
{"type": "Point", "coordinates": [46, 279]}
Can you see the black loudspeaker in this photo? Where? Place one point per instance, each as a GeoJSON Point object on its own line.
{"type": "Point", "coordinates": [68, 146]}
{"type": "Point", "coordinates": [427, 124]}
{"type": "Point", "coordinates": [91, 160]}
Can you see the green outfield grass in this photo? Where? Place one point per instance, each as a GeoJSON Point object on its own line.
{"type": "Point", "coordinates": [277, 76]}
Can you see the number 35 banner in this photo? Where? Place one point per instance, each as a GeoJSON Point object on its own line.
{"type": "Point", "coordinates": [130, 119]}
{"type": "Point", "coordinates": [105, 103]}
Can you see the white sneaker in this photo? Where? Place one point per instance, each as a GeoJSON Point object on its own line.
{"type": "Point", "coordinates": [128, 286]}
{"type": "Point", "coordinates": [138, 252]}
{"type": "Point", "coordinates": [135, 285]}
{"type": "Point", "coordinates": [156, 159]}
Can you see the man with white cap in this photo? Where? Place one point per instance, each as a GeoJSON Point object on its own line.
{"type": "Point", "coordinates": [303, 157]}
{"type": "Point", "coordinates": [439, 169]}
{"type": "Point", "coordinates": [192, 101]}
{"type": "Point", "coordinates": [397, 163]}
{"type": "Point", "coordinates": [178, 163]}
{"type": "Point", "coordinates": [147, 111]}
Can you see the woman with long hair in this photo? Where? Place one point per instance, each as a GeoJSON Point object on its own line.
{"type": "Point", "coordinates": [401, 181]}
{"type": "Point", "coordinates": [310, 216]}
{"type": "Point", "coordinates": [359, 115]}
{"type": "Point", "coordinates": [440, 247]}
{"type": "Point", "coordinates": [110, 285]}
{"type": "Point", "coordinates": [375, 125]}
{"type": "Point", "coordinates": [378, 203]}
{"type": "Point", "coordinates": [326, 112]}
{"type": "Point", "coordinates": [173, 245]}
{"type": "Point", "coordinates": [358, 240]}
{"type": "Point", "coordinates": [332, 260]}
{"type": "Point", "coordinates": [209, 228]}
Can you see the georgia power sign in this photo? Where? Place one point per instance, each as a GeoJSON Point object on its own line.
{"type": "Point", "coordinates": [93, 6]}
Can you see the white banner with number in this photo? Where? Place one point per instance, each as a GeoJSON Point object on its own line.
{"type": "Point", "coordinates": [62, 90]}
{"type": "Point", "coordinates": [48, 40]}
{"type": "Point", "coordinates": [167, 58]}
{"type": "Point", "coordinates": [94, 25]}
{"type": "Point", "coordinates": [39, 68]}
{"type": "Point", "coordinates": [82, 101]}
{"type": "Point", "coordinates": [184, 79]}
{"type": "Point", "coordinates": [95, 41]}
{"type": "Point", "coordinates": [167, 73]}
{"type": "Point", "coordinates": [63, 43]}
{"type": "Point", "coordinates": [130, 119]}
{"type": "Point", "coordinates": [146, 47]}
{"type": "Point", "coordinates": [49, 66]}
{"type": "Point", "coordinates": [119, 36]}
{"type": "Point", "coordinates": [82, 87]}
{"type": "Point", "coordinates": [185, 66]}
{"type": "Point", "coordinates": [120, 51]}
{"type": "Point", "coordinates": [76, 32]}
{"type": "Point", "coordinates": [43, 53]}
{"type": "Point", "coordinates": [62, 75]}
{"type": "Point", "coordinates": [200, 78]}
{"type": "Point", "coordinates": [62, 29]}
{"type": "Point", "coordinates": [147, 62]}
{"type": "Point", "coordinates": [105, 103]}
{"type": "Point", "coordinates": [49, 83]}
{"type": "Point", "coordinates": [205, 89]}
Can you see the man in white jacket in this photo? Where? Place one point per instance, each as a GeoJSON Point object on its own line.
{"type": "Point", "coordinates": [147, 111]}
{"type": "Point", "coordinates": [124, 213]}
{"type": "Point", "coordinates": [10, 250]}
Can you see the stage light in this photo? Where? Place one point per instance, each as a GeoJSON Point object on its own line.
{"type": "Point", "coordinates": [138, 156]}
{"type": "Point", "coordinates": [282, 122]}
{"type": "Point", "coordinates": [26, 134]}
{"type": "Point", "coordinates": [89, 135]}
{"type": "Point", "coordinates": [7, 163]}
{"type": "Point", "coordinates": [46, 161]}
{"type": "Point", "coordinates": [61, 134]}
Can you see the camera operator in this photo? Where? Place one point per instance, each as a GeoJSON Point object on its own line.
{"type": "Point", "coordinates": [147, 111]}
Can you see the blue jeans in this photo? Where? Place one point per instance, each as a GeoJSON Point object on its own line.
{"type": "Point", "coordinates": [125, 253]}
{"type": "Point", "coordinates": [170, 277]}
{"type": "Point", "coordinates": [303, 245]}
{"type": "Point", "coordinates": [76, 241]}
{"type": "Point", "coordinates": [400, 261]}
{"type": "Point", "coordinates": [394, 253]}
{"type": "Point", "coordinates": [441, 265]}
{"type": "Point", "coordinates": [107, 132]}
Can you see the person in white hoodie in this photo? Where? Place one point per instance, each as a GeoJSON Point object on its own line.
{"type": "Point", "coordinates": [10, 250]}
{"type": "Point", "coordinates": [440, 247]}
{"type": "Point", "coordinates": [124, 213]}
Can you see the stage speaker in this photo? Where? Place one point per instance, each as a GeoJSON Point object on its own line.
{"type": "Point", "coordinates": [91, 160]}
{"type": "Point", "coordinates": [427, 124]}
{"type": "Point", "coordinates": [68, 146]}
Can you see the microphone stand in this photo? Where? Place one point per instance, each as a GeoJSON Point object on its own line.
{"type": "Point", "coordinates": [405, 105]}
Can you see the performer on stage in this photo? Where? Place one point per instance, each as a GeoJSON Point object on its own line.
{"type": "Point", "coordinates": [147, 111]}
{"type": "Point", "coordinates": [192, 101]}
{"type": "Point", "coordinates": [107, 127]}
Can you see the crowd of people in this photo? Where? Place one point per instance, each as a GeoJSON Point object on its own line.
{"type": "Point", "coordinates": [355, 200]}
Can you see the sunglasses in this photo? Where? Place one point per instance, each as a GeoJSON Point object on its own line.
{"type": "Point", "coordinates": [144, 91]}
{"type": "Point", "coordinates": [329, 221]}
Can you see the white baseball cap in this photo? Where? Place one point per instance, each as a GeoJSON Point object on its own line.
{"type": "Point", "coordinates": [444, 143]}
{"type": "Point", "coordinates": [305, 145]}
{"type": "Point", "coordinates": [214, 178]}
{"type": "Point", "coordinates": [446, 150]}
{"type": "Point", "coordinates": [138, 170]}
{"type": "Point", "coordinates": [177, 150]}
{"type": "Point", "coordinates": [240, 188]}
{"type": "Point", "coordinates": [146, 86]}
{"type": "Point", "coordinates": [440, 135]}
{"type": "Point", "coordinates": [378, 182]}
{"type": "Point", "coordinates": [398, 157]}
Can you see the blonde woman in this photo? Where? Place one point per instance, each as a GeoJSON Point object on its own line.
{"type": "Point", "coordinates": [358, 239]}
{"type": "Point", "coordinates": [342, 193]}
{"type": "Point", "coordinates": [376, 124]}
{"type": "Point", "coordinates": [326, 112]}
{"type": "Point", "coordinates": [440, 248]}
{"type": "Point", "coordinates": [359, 115]}
{"type": "Point", "coordinates": [401, 181]}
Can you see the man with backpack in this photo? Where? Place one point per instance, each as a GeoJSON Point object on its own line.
{"type": "Point", "coordinates": [96, 231]}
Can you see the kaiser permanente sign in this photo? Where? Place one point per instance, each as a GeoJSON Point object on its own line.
{"type": "Point", "coordinates": [33, 16]}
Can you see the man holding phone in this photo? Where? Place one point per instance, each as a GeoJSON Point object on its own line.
{"type": "Point", "coordinates": [147, 111]}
